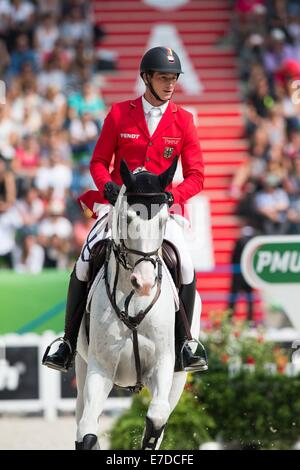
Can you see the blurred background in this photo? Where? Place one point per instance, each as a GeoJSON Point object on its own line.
{"type": "Point", "coordinates": [62, 65]}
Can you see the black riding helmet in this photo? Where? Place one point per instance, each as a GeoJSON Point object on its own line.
{"type": "Point", "coordinates": [160, 59]}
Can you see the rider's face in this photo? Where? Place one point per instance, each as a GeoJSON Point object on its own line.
{"type": "Point", "coordinates": [164, 84]}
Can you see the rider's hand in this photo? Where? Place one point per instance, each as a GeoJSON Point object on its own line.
{"type": "Point", "coordinates": [169, 198]}
{"type": "Point", "coordinates": [111, 192]}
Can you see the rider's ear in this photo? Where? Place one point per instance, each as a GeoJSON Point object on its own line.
{"type": "Point", "coordinates": [128, 178]}
{"type": "Point", "coordinates": [167, 176]}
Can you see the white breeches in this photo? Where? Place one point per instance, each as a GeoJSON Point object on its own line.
{"type": "Point", "coordinates": [174, 234]}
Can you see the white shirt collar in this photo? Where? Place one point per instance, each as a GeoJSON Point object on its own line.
{"type": "Point", "coordinates": [147, 106]}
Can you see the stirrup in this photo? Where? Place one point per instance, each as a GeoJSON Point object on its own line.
{"type": "Point", "coordinates": [50, 364]}
{"type": "Point", "coordinates": [201, 365]}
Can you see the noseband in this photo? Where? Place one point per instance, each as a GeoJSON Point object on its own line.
{"type": "Point", "coordinates": [121, 252]}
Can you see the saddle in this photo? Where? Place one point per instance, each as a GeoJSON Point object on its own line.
{"type": "Point", "coordinates": [170, 256]}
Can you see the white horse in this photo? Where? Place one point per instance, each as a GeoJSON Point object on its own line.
{"type": "Point", "coordinates": [134, 299]}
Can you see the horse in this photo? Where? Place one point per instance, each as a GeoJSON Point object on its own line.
{"type": "Point", "coordinates": [132, 314]}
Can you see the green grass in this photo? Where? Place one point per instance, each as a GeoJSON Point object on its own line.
{"type": "Point", "coordinates": [32, 302]}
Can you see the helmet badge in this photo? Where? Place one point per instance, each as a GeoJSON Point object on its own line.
{"type": "Point", "coordinates": [170, 56]}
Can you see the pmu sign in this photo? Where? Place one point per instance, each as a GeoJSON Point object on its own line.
{"type": "Point", "coordinates": [272, 263]}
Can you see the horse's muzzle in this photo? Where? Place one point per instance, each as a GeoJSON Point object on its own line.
{"type": "Point", "coordinates": [141, 288]}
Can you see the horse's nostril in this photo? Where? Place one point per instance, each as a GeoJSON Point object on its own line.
{"type": "Point", "coordinates": [134, 282]}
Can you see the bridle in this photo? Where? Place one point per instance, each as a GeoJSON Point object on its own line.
{"type": "Point", "coordinates": [121, 252]}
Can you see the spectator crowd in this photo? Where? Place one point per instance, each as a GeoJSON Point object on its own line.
{"type": "Point", "coordinates": [53, 112]}
{"type": "Point", "coordinates": [50, 117]}
{"type": "Point", "coordinates": [266, 36]}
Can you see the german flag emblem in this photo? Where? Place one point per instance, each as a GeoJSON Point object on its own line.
{"type": "Point", "coordinates": [170, 55]}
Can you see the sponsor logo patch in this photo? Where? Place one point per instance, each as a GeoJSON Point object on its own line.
{"type": "Point", "coordinates": [129, 136]}
{"type": "Point", "coordinates": [171, 140]}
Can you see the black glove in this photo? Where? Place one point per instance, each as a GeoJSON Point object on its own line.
{"type": "Point", "coordinates": [111, 192]}
{"type": "Point", "coordinates": [169, 198]}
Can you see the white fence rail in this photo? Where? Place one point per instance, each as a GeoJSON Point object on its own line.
{"type": "Point", "coordinates": [27, 386]}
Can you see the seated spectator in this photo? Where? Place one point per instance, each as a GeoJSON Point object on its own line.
{"type": "Point", "coordinates": [27, 156]}
{"type": "Point", "coordinates": [84, 58]}
{"type": "Point", "coordinates": [9, 131]}
{"type": "Point", "coordinates": [290, 105]}
{"type": "Point", "coordinates": [53, 7]}
{"type": "Point", "coordinates": [75, 27]}
{"type": "Point", "coordinates": [28, 256]}
{"type": "Point", "coordinates": [54, 178]}
{"type": "Point", "coordinates": [22, 13]}
{"type": "Point", "coordinates": [25, 110]}
{"type": "Point", "coordinates": [55, 233]}
{"type": "Point", "coordinates": [21, 55]}
{"type": "Point", "coordinates": [254, 166]}
{"type": "Point", "coordinates": [274, 125]}
{"type": "Point", "coordinates": [54, 101]}
{"type": "Point", "coordinates": [60, 175]}
{"type": "Point", "coordinates": [4, 56]}
{"type": "Point", "coordinates": [61, 56]}
{"type": "Point", "coordinates": [5, 15]}
{"type": "Point", "coordinates": [31, 209]}
{"type": "Point", "coordinates": [41, 181]}
{"type": "Point", "coordinates": [293, 216]}
{"type": "Point", "coordinates": [51, 74]}
{"type": "Point", "coordinates": [89, 101]}
{"type": "Point", "coordinates": [81, 178]}
{"type": "Point", "coordinates": [10, 219]}
{"type": "Point", "coordinates": [292, 186]}
{"type": "Point", "coordinates": [272, 204]}
{"type": "Point", "coordinates": [259, 103]}
{"type": "Point", "coordinates": [277, 52]}
{"type": "Point", "coordinates": [26, 80]}
{"type": "Point", "coordinates": [46, 35]}
{"type": "Point", "coordinates": [56, 223]}
{"type": "Point", "coordinates": [53, 139]}
{"type": "Point", "coordinates": [83, 135]}
{"type": "Point", "coordinates": [7, 185]}
{"type": "Point", "coordinates": [54, 106]}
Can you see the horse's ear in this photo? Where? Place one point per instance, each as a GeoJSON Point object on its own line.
{"type": "Point", "coordinates": [167, 176]}
{"type": "Point", "coordinates": [126, 175]}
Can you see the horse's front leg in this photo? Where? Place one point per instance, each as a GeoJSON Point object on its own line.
{"type": "Point", "coordinates": [98, 385]}
{"type": "Point", "coordinates": [159, 409]}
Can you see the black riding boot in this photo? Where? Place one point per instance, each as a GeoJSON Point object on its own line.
{"type": "Point", "coordinates": [187, 360]}
{"type": "Point", "coordinates": [76, 302]}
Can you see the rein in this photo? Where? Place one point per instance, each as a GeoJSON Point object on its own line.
{"type": "Point", "coordinates": [131, 322]}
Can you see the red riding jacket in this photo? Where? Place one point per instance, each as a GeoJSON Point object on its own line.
{"type": "Point", "coordinates": [125, 135]}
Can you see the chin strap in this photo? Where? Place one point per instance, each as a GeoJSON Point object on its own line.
{"type": "Point", "coordinates": [149, 85]}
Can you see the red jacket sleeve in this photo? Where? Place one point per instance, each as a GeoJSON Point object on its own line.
{"type": "Point", "coordinates": [104, 151]}
{"type": "Point", "coordinates": [192, 166]}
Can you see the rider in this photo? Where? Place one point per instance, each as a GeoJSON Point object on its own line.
{"type": "Point", "coordinates": [148, 132]}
